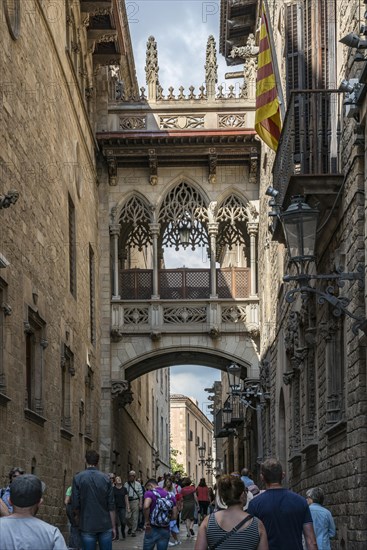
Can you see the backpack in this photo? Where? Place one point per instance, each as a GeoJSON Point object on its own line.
{"type": "Point", "coordinates": [162, 512]}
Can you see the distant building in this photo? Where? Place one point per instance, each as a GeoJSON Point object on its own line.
{"type": "Point", "coordinates": [190, 429]}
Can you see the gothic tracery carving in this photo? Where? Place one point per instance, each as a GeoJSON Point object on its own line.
{"type": "Point", "coordinates": [135, 218]}
{"type": "Point", "coordinates": [183, 204]}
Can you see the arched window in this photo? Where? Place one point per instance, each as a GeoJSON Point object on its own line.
{"type": "Point", "coordinates": [183, 205]}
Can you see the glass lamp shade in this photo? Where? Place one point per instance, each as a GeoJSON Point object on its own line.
{"type": "Point", "coordinates": [299, 224]}
{"type": "Point", "coordinates": [201, 451]}
{"type": "Point", "coordinates": [227, 412]}
{"type": "Point", "coordinates": [184, 231]}
{"type": "Point", "coordinates": [234, 377]}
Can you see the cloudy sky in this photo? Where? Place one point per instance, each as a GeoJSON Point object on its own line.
{"type": "Point", "coordinates": [181, 29]}
{"type": "Point", "coordinates": [191, 380]}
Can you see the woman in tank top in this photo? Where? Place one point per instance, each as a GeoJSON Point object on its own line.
{"type": "Point", "coordinates": [213, 532]}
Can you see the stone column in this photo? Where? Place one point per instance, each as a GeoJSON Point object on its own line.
{"type": "Point", "coordinates": [115, 232]}
{"type": "Point", "coordinates": [213, 232]}
{"type": "Point", "coordinates": [252, 229]}
{"type": "Point", "coordinates": [154, 230]}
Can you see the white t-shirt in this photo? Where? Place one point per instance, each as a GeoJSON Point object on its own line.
{"type": "Point", "coordinates": [29, 534]}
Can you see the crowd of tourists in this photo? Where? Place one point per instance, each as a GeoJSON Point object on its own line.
{"type": "Point", "coordinates": [233, 514]}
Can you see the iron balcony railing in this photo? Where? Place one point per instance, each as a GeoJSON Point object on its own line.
{"type": "Point", "coordinates": [310, 139]}
{"type": "Point", "coordinates": [185, 284]}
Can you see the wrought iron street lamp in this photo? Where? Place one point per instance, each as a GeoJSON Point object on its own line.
{"type": "Point", "coordinates": [234, 377]}
{"type": "Point", "coordinates": [227, 412]}
{"type": "Point", "coordinates": [201, 451]}
{"type": "Point", "coordinates": [299, 223]}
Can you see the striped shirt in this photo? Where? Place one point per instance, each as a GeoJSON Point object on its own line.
{"type": "Point", "coordinates": [247, 538]}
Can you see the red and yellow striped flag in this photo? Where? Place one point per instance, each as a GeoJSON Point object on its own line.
{"type": "Point", "coordinates": [267, 118]}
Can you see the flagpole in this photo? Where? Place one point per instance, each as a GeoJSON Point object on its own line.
{"type": "Point", "coordinates": [275, 62]}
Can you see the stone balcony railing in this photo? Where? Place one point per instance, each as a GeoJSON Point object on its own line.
{"type": "Point", "coordinates": [211, 316]}
{"type": "Point", "coordinates": [223, 92]}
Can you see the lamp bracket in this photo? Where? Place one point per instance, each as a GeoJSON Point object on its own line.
{"type": "Point", "coordinates": [339, 304]}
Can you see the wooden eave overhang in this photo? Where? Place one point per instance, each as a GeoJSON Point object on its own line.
{"type": "Point", "coordinates": [176, 146]}
{"type": "Point", "coordinates": [237, 21]}
{"type": "Point", "coordinates": [109, 37]}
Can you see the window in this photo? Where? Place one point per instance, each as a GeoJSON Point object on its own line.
{"type": "Point", "coordinates": [335, 364]}
{"type": "Point", "coordinates": [147, 397]}
{"type": "Point", "coordinates": [72, 248]}
{"type": "Point", "coordinates": [35, 345]}
{"type": "Point", "coordinates": [89, 387]}
{"type": "Point", "coordinates": [92, 295]}
{"type": "Point", "coordinates": [4, 311]}
{"type": "Point", "coordinates": [67, 371]}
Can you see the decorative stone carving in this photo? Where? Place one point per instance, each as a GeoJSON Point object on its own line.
{"type": "Point", "coordinates": [249, 50]}
{"type": "Point", "coordinates": [214, 333]}
{"type": "Point", "coordinates": [116, 334]}
{"type": "Point", "coordinates": [234, 314]}
{"type": "Point", "coordinates": [297, 360]}
{"type": "Point", "coordinates": [112, 170]}
{"type": "Point", "coordinates": [121, 392]}
{"type": "Point", "coordinates": [133, 122]}
{"type": "Point", "coordinates": [153, 167]}
{"type": "Point", "coordinates": [265, 374]}
{"type": "Point", "coordinates": [184, 315]}
{"type": "Point", "coordinates": [212, 166]}
{"type": "Point", "coordinates": [136, 316]}
{"type": "Point", "coordinates": [155, 336]}
{"type": "Point", "coordinates": [291, 337]}
{"type": "Point", "coordinates": [253, 168]}
{"type": "Point", "coordinates": [6, 309]}
{"type": "Point", "coordinates": [181, 121]}
{"type": "Point", "coordinates": [151, 68]}
{"type": "Point", "coordinates": [232, 120]}
{"type": "Point", "coordinates": [288, 377]}
{"type": "Point", "coordinates": [212, 212]}
{"type": "Point", "coordinates": [211, 67]}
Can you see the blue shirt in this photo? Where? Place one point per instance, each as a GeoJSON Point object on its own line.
{"type": "Point", "coordinates": [5, 499]}
{"type": "Point", "coordinates": [284, 514]}
{"type": "Point", "coordinates": [247, 481]}
{"type": "Point", "coordinates": [323, 525]}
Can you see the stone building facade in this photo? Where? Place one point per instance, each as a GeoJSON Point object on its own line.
{"type": "Point", "coordinates": [174, 160]}
{"type": "Point", "coordinates": [190, 429]}
{"type": "Point", "coordinates": [313, 362]}
{"type": "Point", "coordinates": [52, 55]}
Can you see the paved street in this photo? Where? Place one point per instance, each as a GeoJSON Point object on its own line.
{"type": "Point", "coordinates": [132, 543]}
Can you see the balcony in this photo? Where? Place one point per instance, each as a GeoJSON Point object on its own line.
{"type": "Point", "coordinates": [185, 284]}
{"type": "Point", "coordinates": [308, 157]}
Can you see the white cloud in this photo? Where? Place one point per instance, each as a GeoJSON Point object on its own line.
{"type": "Point", "coordinates": [181, 29]}
{"type": "Point", "coordinates": [190, 380]}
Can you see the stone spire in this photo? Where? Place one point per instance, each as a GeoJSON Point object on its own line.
{"type": "Point", "coordinates": [211, 68]}
{"type": "Point", "coordinates": [151, 68]}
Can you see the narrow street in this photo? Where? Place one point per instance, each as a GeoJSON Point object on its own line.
{"type": "Point", "coordinates": [132, 543]}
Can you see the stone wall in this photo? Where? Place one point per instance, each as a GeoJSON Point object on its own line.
{"type": "Point", "coordinates": [298, 342]}
{"type": "Point", "coordinates": [47, 155]}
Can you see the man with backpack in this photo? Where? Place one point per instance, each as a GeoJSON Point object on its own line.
{"type": "Point", "coordinates": [159, 509]}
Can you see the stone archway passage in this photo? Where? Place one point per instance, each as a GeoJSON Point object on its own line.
{"type": "Point", "coordinates": [185, 354]}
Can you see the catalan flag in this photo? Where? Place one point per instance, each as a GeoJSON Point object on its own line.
{"type": "Point", "coordinates": [267, 118]}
